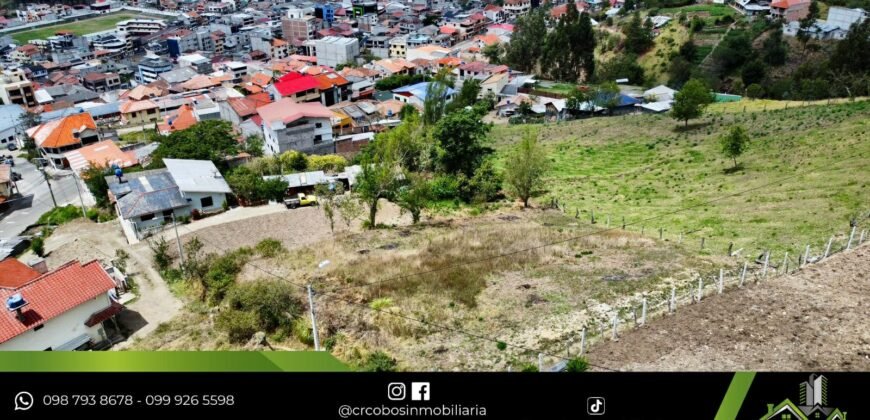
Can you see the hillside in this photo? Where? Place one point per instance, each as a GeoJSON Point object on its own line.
{"type": "Point", "coordinates": [805, 170]}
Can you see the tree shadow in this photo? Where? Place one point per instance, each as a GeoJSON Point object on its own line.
{"type": "Point", "coordinates": [733, 169]}
{"type": "Point", "coordinates": [130, 321]}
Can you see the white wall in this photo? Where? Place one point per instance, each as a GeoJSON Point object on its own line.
{"type": "Point", "coordinates": [60, 330]}
{"type": "Point", "coordinates": [195, 203]}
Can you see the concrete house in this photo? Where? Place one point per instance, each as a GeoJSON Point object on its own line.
{"type": "Point", "coordinates": [56, 137]}
{"type": "Point", "coordinates": [287, 125]}
{"type": "Point", "coordinates": [200, 183]}
{"type": "Point", "coordinates": [64, 309]}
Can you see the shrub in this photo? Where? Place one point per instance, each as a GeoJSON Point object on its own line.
{"type": "Point", "coordinates": [37, 245]}
{"type": "Point", "coordinates": [222, 272]}
{"type": "Point", "coordinates": [578, 364]}
{"type": "Point", "coordinates": [302, 331]}
{"type": "Point", "coordinates": [528, 367]}
{"type": "Point", "coordinates": [379, 362]}
{"type": "Point", "coordinates": [484, 186]}
{"type": "Point", "coordinates": [60, 215]}
{"type": "Point", "coordinates": [160, 248]}
{"type": "Point", "coordinates": [501, 345]}
{"type": "Point", "coordinates": [271, 301]}
{"type": "Point", "coordinates": [326, 163]}
{"type": "Point", "coordinates": [445, 187]}
{"type": "Point", "coordinates": [270, 247]}
{"type": "Point", "coordinates": [239, 325]}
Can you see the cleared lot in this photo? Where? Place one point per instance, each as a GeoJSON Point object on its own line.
{"type": "Point", "coordinates": [814, 320]}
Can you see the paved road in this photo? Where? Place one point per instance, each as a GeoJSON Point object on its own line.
{"type": "Point", "coordinates": [36, 199]}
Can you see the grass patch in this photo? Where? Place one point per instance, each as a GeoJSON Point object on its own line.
{"type": "Point", "coordinates": [82, 27]}
{"type": "Point", "coordinates": [656, 62]}
{"type": "Point", "coordinates": [60, 215]}
{"type": "Point", "coordinates": [639, 166]}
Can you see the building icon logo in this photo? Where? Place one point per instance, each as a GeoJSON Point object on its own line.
{"type": "Point", "coordinates": [813, 404]}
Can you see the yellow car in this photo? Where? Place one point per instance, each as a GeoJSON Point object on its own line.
{"type": "Point", "coordinates": [301, 200]}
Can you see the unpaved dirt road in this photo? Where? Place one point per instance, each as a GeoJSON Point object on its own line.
{"type": "Point", "coordinates": [817, 319]}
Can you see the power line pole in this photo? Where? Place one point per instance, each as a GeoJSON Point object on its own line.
{"type": "Point", "coordinates": [178, 240]}
{"type": "Point", "coordinates": [313, 318]}
{"type": "Point", "coordinates": [48, 182]}
{"type": "Point", "coordinates": [81, 200]}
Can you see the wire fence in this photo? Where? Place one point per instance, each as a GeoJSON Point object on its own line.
{"type": "Point", "coordinates": [639, 310]}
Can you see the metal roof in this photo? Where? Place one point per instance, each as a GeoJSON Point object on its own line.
{"type": "Point", "coordinates": [196, 176]}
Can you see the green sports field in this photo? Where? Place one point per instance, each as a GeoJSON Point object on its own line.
{"type": "Point", "coordinates": [82, 27]}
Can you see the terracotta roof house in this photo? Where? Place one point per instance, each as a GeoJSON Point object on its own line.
{"type": "Point", "coordinates": [181, 119]}
{"type": "Point", "coordinates": [789, 10]}
{"type": "Point", "coordinates": [103, 154]}
{"type": "Point", "coordinates": [14, 274]}
{"type": "Point", "coordinates": [64, 309]}
{"type": "Point", "coordinates": [56, 137]}
{"type": "Point", "coordinates": [139, 112]}
{"type": "Point", "coordinates": [239, 110]}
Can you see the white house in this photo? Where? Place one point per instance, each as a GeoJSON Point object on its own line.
{"type": "Point", "coordinates": [200, 183]}
{"type": "Point", "coordinates": [60, 310]}
{"type": "Point", "coordinates": [288, 125]}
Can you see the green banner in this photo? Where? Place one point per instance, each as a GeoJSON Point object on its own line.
{"type": "Point", "coordinates": [735, 395]}
{"type": "Point", "coordinates": [170, 361]}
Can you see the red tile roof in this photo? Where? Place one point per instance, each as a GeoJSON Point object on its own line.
{"type": "Point", "coordinates": [293, 83]}
{"type": "Point", "coordinates": [52, 294]}
{"type": "Point", "coordinates": [287, 111]}
{"type": "Point", "coordinates": [60, 133]}
{"type": "Point", "coordinates": [14, 273]}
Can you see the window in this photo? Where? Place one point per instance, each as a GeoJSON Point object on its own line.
{"type": "Point", "coordinates": [206, 202]}
{"type": "Point", "coordinates": [318, 125]}
{"type": "Point", "coordinates": [146, 217]}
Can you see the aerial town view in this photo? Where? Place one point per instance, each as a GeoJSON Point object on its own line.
{"type": "Point", "coordinates": [441, 185]}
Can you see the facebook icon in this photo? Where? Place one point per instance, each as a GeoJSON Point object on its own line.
{"type": "Point", "coordinates": [420, 391]}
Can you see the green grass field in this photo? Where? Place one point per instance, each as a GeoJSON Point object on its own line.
{"type": "Point", "coordinates": [716, 10]}
{"type": "Point", "coordinates": [642, 166]}
{"type": "Point", "coordinates": [82, 27]}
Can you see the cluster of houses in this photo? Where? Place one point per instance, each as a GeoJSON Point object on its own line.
{"type": "Point", "coordinates": [837, 25]}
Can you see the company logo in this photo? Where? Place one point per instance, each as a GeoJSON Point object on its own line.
{"type": "Point", "coordinates": [396, 391]}
{"type": "Point", "coordinates": [420, 391]}
{"type": "Point", "coordinates": [595, 406]}
{"type": "Point", "coordinates": [812, 403]}
{"type": "Point", "coordinates": [23, 401]}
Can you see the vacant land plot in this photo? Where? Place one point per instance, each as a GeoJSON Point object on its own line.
{"type": "Point", "coordinates": [656, 61]}
{"type": "Point", "coordinates": [802, 179]}
{"type": "Point", "coordinates": [814, 320]}
{"type": "Point", "coordinates": [424, 293]}
{"type": "Point", "coordinates": [82, 27]}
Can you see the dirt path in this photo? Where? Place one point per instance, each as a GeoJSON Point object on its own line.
{"type": "Point", "coordinates": [813, 320]}
{"type": "Point", "coordinates": [85, 241]}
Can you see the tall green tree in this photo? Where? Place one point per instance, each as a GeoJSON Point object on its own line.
{"type": "Point", "coordinates": [525, 167]}
{"type": "Point", "coordinates": [638, 35]}
{"type": "Point", "coordinates": [526, 47]}
{"type": "Point", "coordinates": [414, 195]}
{"type": "Point", "coordinates": [460, 142]}
{"type": "Point", "coordinates": [734, 143]}
{"type": "Point", "coordinates": [774, 50]}
{"type": "Point", "coordinates": [691, 101]}
{"type": "Point", "coordinates": [569, 48]}
{"type": "Point", "coordinates": [212, 140]}
{"type": "Point", "coordinates": [435, 103]}
{"type": "Point", "coordinates": [467, 96]}
{"type": "Point", "coordinates": [328, 196]}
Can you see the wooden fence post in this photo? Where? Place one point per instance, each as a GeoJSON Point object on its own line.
{"type": "Point", "coordinates": [721, 279]}
{"type": "Point", "coordinates": [662, 234]}
{"type": "Point", "coordinates": [643, 313]}
{"type": "Point", "coordinates": [861, 241]}
{"type": "Point", "coordinates": [540, 362]}
{"type": "Point", "coordinates": [681, 238]}
{"type": "Point", "coordinates": [702, 243]}
{"type": "Point", "coordinates": [743, 274]}
{"type": "Point", "coordinates": [615, 324]}
{"type": "Point", "coordinates": [673, 305]}
{"type": "Point", "coordinates": [583, 341]}
{"type": "Point", "coordinates": [851, 236]}
{"type": "Point", "coordinates": [807, 255]}
{"type": "Point", "coordinates": [592, 213]}
{"type": "Point", "coordinates": [766, 263]}
{"type": "Point", "coordinates": [785, 263]}
{"type": "Point", "coordinates": [828, 248]}
{"type": "Point", "coordinates": [700, 288]}
{"type": "Point", "coordinates": [623, 222]}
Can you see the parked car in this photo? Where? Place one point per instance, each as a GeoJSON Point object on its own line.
{"type": "Point", "coordinates": [16, 176]}
{"type": "Point", "coordinates": [301, 200]}
{"type": "Point", "coordinates": [11, 147]}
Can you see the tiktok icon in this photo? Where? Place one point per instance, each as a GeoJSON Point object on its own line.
{"type": "Point", "coordinates": [595, 406]}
